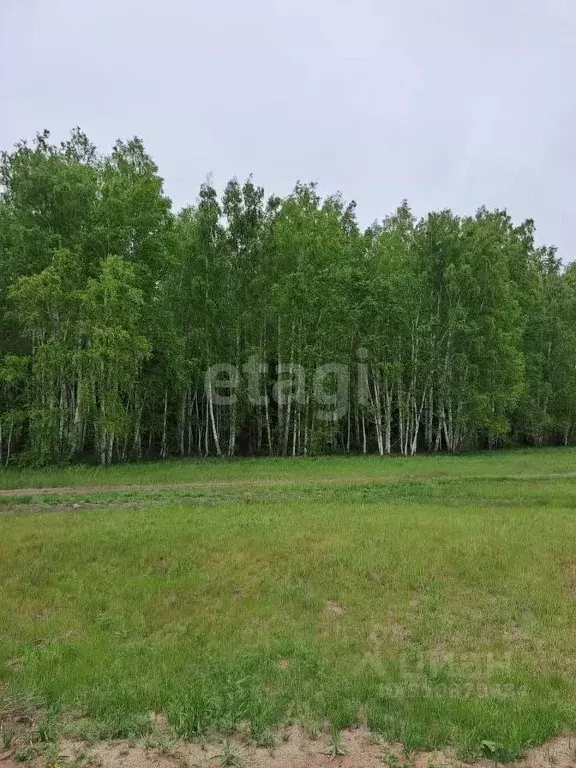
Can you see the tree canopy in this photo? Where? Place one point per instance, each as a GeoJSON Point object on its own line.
{"type": "Point", "coordinates": [247, 324]}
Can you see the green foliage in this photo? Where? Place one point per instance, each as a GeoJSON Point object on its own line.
{"type": "Point", "coordinates": [229, 758]}
{"type": "Point", "coordinates": [335, 748]}
{"type": "Point", "coordinates": [391, 759]}
{"type": "Point", "coordinates": [27, 753]}
{"type": "Point", "coordinates": [6, 736]}
{"type": "Point", "coordinates": [458, 332]}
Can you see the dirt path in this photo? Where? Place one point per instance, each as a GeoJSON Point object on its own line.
{"type": "Point", "coordinates": [267, 482]}
{"type": "Point", "coordinates": [207, 485]}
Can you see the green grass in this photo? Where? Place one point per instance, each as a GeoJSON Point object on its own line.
{"type": "Point", "coordinates": [434, 598]}
{"type": "Point", "coordinates": [534, 462]}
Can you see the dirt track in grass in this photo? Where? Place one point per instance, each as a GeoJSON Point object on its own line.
{"type": "Point", "coordinates": [77, 490]}
{"type": "Point", "coordinates": [207, 484]}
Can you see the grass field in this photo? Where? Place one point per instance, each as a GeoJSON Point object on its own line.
{"type": "Point", "coordinates": [433, 598]}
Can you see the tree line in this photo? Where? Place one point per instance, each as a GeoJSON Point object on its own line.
{"type": "Point", "coordinates": [459, 331]}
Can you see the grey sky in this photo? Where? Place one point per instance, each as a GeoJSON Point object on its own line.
{"type": "Point", "coordinates": [448, 103]}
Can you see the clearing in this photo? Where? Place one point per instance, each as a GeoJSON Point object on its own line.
{"type": "Point", "coordinates": [426, 602]}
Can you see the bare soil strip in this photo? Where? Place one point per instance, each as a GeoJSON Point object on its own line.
{"type": "Point", "coordinates": [255, 483]}
{"type": "Point", "coordinates": [152, 487]}
{"type": "Point", "coordinates": [294, 749]}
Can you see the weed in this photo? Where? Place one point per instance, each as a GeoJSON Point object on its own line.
{"type": "Point", "coordinates": [51, 755]}
{"type": "Point", "coordinates": [388, 757]}
{"type": "Point", "coordinates": [451, 764]}
{"type": "Point", "coordinates": [84, 759]}
{"type": "Point", "coordinates": [264, 738]}
{"type": "Point", "coordinates": [229, 758]}
{"type": "Point", "coordinates": [26, 753]}
{"type": "Point", "coordinates": [47, 730]}
{"type": "Point", "coordinates": [158, 740]}
{"type": "Point", "coordinates": [335, 748]}
{"type": "Point", "coordinates": [6, 736]}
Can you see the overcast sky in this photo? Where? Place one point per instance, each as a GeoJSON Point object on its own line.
{"type": "Point", "coordinates": [447, 103]}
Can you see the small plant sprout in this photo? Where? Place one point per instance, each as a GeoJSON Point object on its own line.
{"type": "Point", "coordinates": [335, 748]}
{"type": "Point", "coordinates": [229, 758]}
{"type": "Point", "coordinates": [388, 757]}
{"type": "Point", "coordinates": [6, 736]}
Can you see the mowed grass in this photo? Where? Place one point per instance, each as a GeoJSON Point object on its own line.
{"type": "Point", "coordinates": [433, 598]}
{"type": "Point", "coordinates": [495, 464]}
